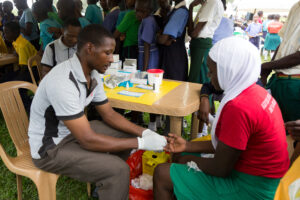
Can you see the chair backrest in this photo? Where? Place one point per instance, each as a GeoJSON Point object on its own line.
{"type": "Point", "coordinates": [37, 59]}
{"type": "Point", "coordinates": [14, 113]}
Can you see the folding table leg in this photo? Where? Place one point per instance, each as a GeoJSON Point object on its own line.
{"type": "Point", "coordinates": [175, 125]}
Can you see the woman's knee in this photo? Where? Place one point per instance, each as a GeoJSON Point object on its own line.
{"type": "Point", "coordinates": [162, 173]}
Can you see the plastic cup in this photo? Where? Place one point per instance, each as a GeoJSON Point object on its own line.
{"type": "Point", "coordinates": [155, 74]}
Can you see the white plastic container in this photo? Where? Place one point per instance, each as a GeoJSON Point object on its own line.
{"type": "Point", "coordinates": [155, 74]}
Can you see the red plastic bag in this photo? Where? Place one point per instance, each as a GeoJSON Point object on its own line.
{"type": "Point", "coordinates": [136, 169]}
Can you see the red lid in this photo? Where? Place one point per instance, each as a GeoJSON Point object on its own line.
{"type": "Point", "coordinates": [155, 71]}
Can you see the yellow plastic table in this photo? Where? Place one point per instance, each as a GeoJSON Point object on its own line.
{"type": "Point", "coordinates": [182, 100]}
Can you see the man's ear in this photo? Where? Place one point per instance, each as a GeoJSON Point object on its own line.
{"type": "Point", "coordinates": [89, 48]}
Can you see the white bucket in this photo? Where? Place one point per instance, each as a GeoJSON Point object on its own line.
{"type": "Point", "coordinates": [155, 74]}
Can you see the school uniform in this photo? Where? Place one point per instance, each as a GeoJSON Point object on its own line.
{"type": "Point", "coordinates": [57, 52]}
{"type": "Point", "coordinates": [111, 18]}
{"type": "Point", "coordinates": [130, 26]}
{"type": "Point", "coordinates": [147, 33]}
{"type": "Point", "coordinates": [122, 15]}
{"type": "Point", "coordinates": [224, 30]}
{"type": "Point", "coordinates": [24, 49]}
{"type": "Point", "coordinates": [27, 17]}
{"type": "Point", "coordinates": [254, 29]}
{"type": "Point", "coordinates": [273, 39]}
{"type": "Point", "coordinates": [285, 83]}
{"type": "Point", "coordinates": [94, 14]}
{"type": "Point", "coordinates": [174, 59]}
{"type": "Point", "coordinates": [83, 22]}
{"type": "Point", "coordinates": [45, 36]}
{"type": "Point", "coordinates": [210, 12]}
{"type": "Point", "coordinates": [3, 48]}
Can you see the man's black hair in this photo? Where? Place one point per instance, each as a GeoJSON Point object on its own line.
{"type": "Point", "coordinates": [93, 33]}
{"type": "Point", "coordinates": [71, 22]}
{"type": "Point", "coordinates": [13, 27]}
{"type": "Point", "coordinates": [41, 9]}
{"type": "Point", "coordinates": [93, 1]}
{"type": "Point", "coordinates": [277, 17]}
{"type": "Point", "coordinates": [260, 13]}
{"type": "Point", "coordinates": [9, 4]}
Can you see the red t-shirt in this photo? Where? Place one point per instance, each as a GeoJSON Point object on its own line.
{"type": "Point", "coordinates": [274, 27]}
{"type": "Point", "coordinates": [252, 122]}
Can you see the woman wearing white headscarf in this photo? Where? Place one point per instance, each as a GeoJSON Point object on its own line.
{"type": "Point", "coordinates": [248, 137]}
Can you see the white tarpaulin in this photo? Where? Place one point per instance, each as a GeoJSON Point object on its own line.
{"type": "Point", "coordinates": [264, 5]}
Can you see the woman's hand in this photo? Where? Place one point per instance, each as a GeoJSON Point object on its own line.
{"type": "Point", "coordinates": [176, 143]}
{"type": "Point", "coordinates": [204, 109]}
{"type": "Point", "coordinates": [293, 127]}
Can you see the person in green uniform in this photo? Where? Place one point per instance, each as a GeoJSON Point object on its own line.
{"type": "Point", "coordinates": [93, 13]}
{"type": "Point", "coordinates": [201, 30]}
{"type": "Point", "coordinates": [130, 27]}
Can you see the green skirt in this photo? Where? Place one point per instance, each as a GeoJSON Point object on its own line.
{"type": "Point", "coordinates": [272, 41]}
{"type": "Point", "coordinates": [199, 49]}
{"type": "Point", "coordinates": [286, 91]}
{"type": "Point", "coordinates": [193, 185]}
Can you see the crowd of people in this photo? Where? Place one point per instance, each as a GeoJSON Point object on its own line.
{"type": "Point", "coordinates": [251, 126]}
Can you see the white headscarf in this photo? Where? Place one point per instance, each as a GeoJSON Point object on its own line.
{"type": "Point", "coordinates": [238, 67]}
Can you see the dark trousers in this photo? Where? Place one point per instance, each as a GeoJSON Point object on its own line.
{"type": "Point", "coordinates": [255, 41]}
{"type": "Point", "coordinates": [109, 171]}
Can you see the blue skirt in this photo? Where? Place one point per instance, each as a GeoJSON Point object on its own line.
{"type": "Point", "coordinates": [272, 41]}
{"type": "Point", "coordinates": [153, 59]}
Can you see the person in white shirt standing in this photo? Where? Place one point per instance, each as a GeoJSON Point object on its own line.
{"type": "Point", "coordinates": [63, 48]}
{"type": "Point", "coordinates": [201, 30]}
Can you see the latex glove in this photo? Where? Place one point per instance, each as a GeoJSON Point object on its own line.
{"type": "Point", "coordinates": [148, 132]}
{"type": "Point", "coordinates": [153, 142]}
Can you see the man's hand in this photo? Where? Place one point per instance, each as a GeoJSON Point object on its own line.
{"type": "Point", "coordinates": [176, 144]}
{"type": "Point", "coordinates": [152, 142]}
{"type": "Point", "coordinates": [293, 127]}
{"type": "Point", "coordinates": [204, 110]}
{"type": "Point", "coordinates": [265, 71]}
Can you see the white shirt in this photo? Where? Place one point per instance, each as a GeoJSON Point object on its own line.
{"type": "Point", "coordinates": [290, 34]}
{"type": "Point", "coordinates": [62, 53]}
{"type": "Point", "coordinates": [61, 95]}
{"type": "Point", "coordinates": [211, 12]}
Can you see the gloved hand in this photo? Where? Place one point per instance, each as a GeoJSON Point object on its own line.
{"type": "Point", "coordinates": [148, 132]}
{"type": "Point", "coordinates": [151, 141]}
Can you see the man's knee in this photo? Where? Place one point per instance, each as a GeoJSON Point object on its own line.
{"type": "Point", "coordinates": [120, 171]}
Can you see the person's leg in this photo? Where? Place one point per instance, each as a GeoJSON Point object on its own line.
{"type": "Point", "coordinates": [109, 172]}
{"type": "Point", "coordinates": [101, 128]}
{"type": "Point", "coordinates": [162, 183]}
{"type": "Point", "coordinates": [197, 54]}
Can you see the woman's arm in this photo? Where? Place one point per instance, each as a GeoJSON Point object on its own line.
{"type": "Point", "coordinates": [221, 165]}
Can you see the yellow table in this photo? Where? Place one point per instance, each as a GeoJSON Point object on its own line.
{"type": "Point", "coordinates": [181, 101]}
{"type": "Point", "coordinates": [6, 59]}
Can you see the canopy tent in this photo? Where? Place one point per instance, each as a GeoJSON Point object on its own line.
{"type": "Point", "coordinates": [269, 6]}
